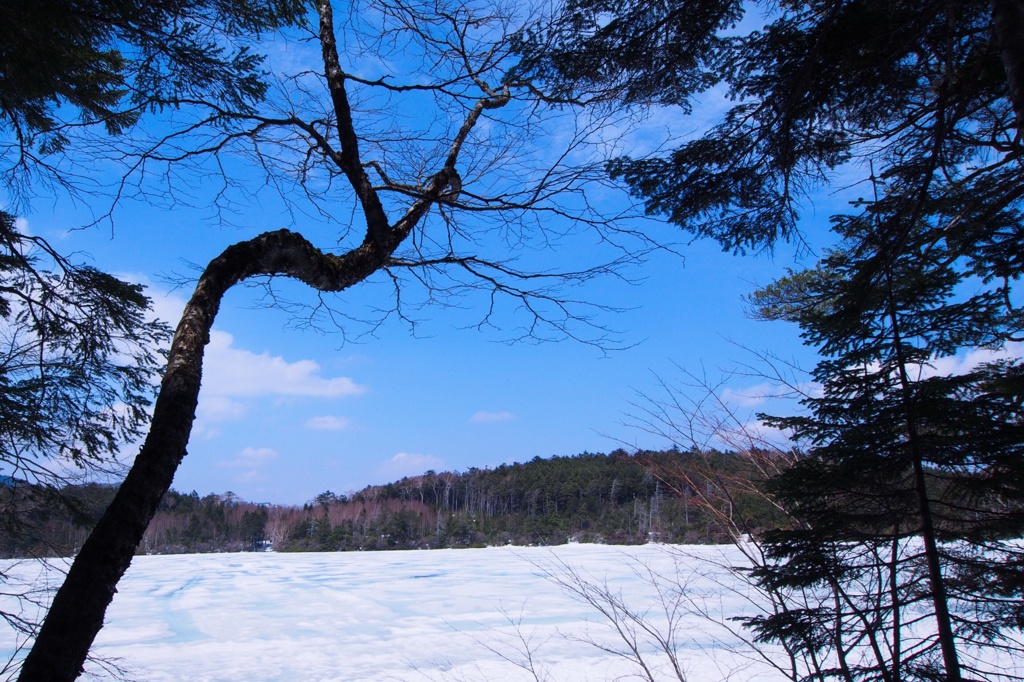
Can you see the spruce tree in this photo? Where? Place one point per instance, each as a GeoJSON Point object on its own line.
{"type": "Point", "coordinates": [899, 455]}
{"type": "Point", "coordinates": [905, 468]}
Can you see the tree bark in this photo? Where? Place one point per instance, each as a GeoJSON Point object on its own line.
{"type": "Point", "coordinates": [929, 537]}
{"type": "Point", "coordinates": [76, 614]}
{"type": "Point", "coordinates": [78, 609]}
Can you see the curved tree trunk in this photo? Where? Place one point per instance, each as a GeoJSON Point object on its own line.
{"type": "Point", "coordinates": [76, 614]}
{"type": "Point", "coordinates": [78, 608]}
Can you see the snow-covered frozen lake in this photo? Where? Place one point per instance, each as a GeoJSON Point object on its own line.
{"type": "Point", "coordinates": [459, 615]}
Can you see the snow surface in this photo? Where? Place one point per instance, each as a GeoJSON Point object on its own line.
{"type": "Point", "coordinates": [466, 614]}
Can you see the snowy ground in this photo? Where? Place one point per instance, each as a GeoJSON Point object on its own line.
{"type": "Point", "coordinates": [459, 615]}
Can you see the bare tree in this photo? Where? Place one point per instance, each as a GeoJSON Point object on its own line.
{"type": "Point", "coordinates": [696, 414]}
{"type": "Point", "coordinates": [648, 637]}
{"type": "Point", "coordinates": [523, 649]}
{"type": "Point", "coordinates": [865, 618]}
{"type": "Point", "coordinates": [419, 206]}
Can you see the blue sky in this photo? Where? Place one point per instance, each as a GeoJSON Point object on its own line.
{"type": "Point", "coordinates": [287, 412]}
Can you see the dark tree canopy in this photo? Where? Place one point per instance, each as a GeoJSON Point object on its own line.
{"type": "Point", "coordinates": [902, 459]}
{"type": "Point", "coordinates": [107, 62]}
{"type": "Point", "coordinates": [80, 350]}
{"type": "Point", "coordinates": [430, 178]}
{"type": "Point", "coordinates": [922, 90]}
{"type": "Point", "coordinates": [919, 105]}
{"type": "Point", "coordinates": [77, 341]}
{"type": "Point", "coordinates": [76, 346]}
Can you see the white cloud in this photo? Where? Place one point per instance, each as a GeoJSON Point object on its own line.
{"type": "Point", "coordinates": [483, 417]}
{"type": "Point", "coordinates": [204, 430]}
{"type": "Point", "coordinates": [166, 307]}
{"type": "Point", "coordinates": [232, 371]}
{"type": "Point", "coordinates": [232, 375]}
{"type": "Point", "coordinates": [765, 392]}
{"type": "Point", "coordinates": [218, 408]}
{"type": "Point", "coordinates": [328, 423]}
{"type": "Point", "coordinates": [22, 226]}
{"type": "Point", "coordinates": [250, 458]}
{"type": "Point", "coordinates": [961, 363]}
{"type": "Point", "coordinates": [753, 434]}
{"type": "Point", "coordinates": [251, 476]}
{"type": "Point", "coordinates": [751, 396]}
{"type": "Point", "coordinates": [408, 464]}
{"type": "Point", "coordinates": [759, 394]}
{"type": "Point", "coordinates": [229, 370]}
{"type": "Point", "coordinates": [965, 362]}
{"type": "Point", "coordinates": [250, 462]}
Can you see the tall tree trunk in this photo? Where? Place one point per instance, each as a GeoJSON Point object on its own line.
{"type": "Point", "coordinates": [77, 612]}
{"type": "Point", "coordinates": [76, 615]}
{"type": "Point", "coordinates": [936, 583]}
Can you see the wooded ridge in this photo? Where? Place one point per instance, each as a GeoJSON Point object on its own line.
{"type": "Point", "coordinates": [611, 498]}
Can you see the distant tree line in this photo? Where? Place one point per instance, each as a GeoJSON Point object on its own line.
{"type": "Point", "coordinates": [613, 498]}
{"type": "Point", "coordinates": [55, 522]}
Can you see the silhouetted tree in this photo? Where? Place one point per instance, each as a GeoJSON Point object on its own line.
{"type": "Point", "coordinates": [924, 100]}
{"type": "Point", "coordinates": [79, 354]}
{"type": "Point", "coordinates": [428, 202]}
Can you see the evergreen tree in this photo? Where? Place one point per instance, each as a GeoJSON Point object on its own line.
{"type": "Point", "coordinates": [78, 360]}
{"type": "Point", "coordinates": [77, 365]}
{"type": "Point", "coordinates": [107, 62]}
{"type": "Point", "coordinates": [924, 91]}
{"type": "Point", "coordinates": [898, 451]}
{"type": "Point", "coordinates": [906, 468]}
{"type": "Point", "coordinates": [253, 529]}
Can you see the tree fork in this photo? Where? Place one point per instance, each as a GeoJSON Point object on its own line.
{"type": "Point", "coordinates": [76, 614]}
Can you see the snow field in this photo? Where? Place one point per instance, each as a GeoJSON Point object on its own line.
{"type": "Point", "coordinates": [438, 615]}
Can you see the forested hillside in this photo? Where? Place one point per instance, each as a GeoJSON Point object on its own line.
{"type": "Point", "coordinates": [613, 498]}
